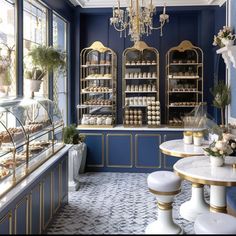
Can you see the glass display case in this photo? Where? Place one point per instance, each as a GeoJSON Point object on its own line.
{"type": "Point", "coordinates": [31, 131]}
{"type": "Point", "coordinates": [141, 86]}
{"type": "Point", "coordinates": [184, 81]}
{"type": "Point", "coordinates": [97, 87]}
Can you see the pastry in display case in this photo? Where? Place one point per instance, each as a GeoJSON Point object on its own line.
{"type": "Point", "coordinates": [184, 81]}
{"type": "Point", "coordinates": [97, 87]}
{"type": "Point", "coordinates": [31, 131]}
{"type": "Point", "coordinates": [140, 82]}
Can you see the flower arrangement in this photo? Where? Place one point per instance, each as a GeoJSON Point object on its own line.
{"type": "Point", "coordinates": [231, 139]}
{"type": "Point", "coordinates": [218, 148]}
{"type": "Point", "coordinates": [224, 34]}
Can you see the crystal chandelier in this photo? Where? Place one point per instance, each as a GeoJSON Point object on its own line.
{"type": "Point", "coordinates": [137, 19]}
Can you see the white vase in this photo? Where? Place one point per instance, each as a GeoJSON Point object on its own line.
{"type": "Point", "coordinates": [227, 42]}
{"type": "Point", "coordinates": [33, 85]}
{"type": "Point", "coordinates": [217, 161]}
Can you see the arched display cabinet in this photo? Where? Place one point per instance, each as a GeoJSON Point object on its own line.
{"type": "Point", "coordinates": [31, 131]}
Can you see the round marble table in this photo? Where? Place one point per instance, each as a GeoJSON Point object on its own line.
{"type": "Point", "coordinates": [198, 170]}
{"type": "Point", "coordinates": [196, 205]}
{"type": "Point", "coordinates": [178, 148]}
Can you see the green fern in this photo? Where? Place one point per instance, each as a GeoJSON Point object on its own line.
{"type": "Point", "coordinates": [71, 136]}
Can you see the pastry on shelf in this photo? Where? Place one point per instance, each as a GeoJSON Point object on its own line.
{"type": "Point", "coordinates": [102, 62]}
{"type": "Point", "coordinates": [3, 172]}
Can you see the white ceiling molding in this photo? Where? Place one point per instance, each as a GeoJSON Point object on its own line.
{"type": "Point", "coordinates": [123, 3]}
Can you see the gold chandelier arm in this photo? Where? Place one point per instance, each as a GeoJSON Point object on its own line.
{"type": "Point", "coordinates": [121, 29]}
{"type": "Point", "coordinates": [159, 27]}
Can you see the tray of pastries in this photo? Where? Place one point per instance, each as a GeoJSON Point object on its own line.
{"type": "Point", "coordinates": [4, 172]}
{"type": "Point", "coordinates": [96, 89]}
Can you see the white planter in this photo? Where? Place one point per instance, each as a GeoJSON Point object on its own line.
{"type": "Point", "coordinates": [33, 85]}
{"type": "Point", "coordinates": [217, 161]}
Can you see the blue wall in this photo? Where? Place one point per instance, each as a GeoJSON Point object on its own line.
{"type": "Point", "coordinates": [197, 24]}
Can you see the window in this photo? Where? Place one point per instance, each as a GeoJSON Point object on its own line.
{"type": "Point", "coordinates": [35, 34]}
{"type": "Point", "coordinates": [60, 93]}
{"type": "Point", "coordinates": [7, 48]}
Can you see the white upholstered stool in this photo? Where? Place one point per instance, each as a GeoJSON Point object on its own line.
{"type": "Point", "coordinates": [215, 223]}
{"type": "Point", "coordinates": [165, 185]}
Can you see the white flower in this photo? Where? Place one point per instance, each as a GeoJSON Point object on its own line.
{"type": "Point", "coordinates": [221, 152]}
{"type": "Point", "coordinates": [214, 149]}
{"type": "Point", "coordinates": [221, 145]}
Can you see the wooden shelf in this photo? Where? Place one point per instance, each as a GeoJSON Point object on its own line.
{"type": "Point", "coordinates": [182, 77]}
{"type": "Point", "coordinates": [94, 65]}
{"type": "Point", "coordinates": [151, 64]}
{"type": "Point", "coordinates": [141, 78]}
{"type": "Point", "coordinates": [184, 92]}
{"type": "Point", "coordinates": [83, 92]}
{"type": "Point", "coordinates": [141, 92]}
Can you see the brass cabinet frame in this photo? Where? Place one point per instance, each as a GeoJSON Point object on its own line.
{"type": "Point", "coordinates": [140, 46]}
{"type": "Point", "coordinates": [184, 46]}
{"type": "Point", "coordinates": [136, 150]}
{"type": "Point", "coordinates": [131, 151]}
{"type": "Point", "coordinates": [98, 47]}
{"type": "Point", "coordinates": [102, 136]}
{"type": "Point", "coordinates": [27, 213]}
{"type": "Point", "coordinates": [9, 217]}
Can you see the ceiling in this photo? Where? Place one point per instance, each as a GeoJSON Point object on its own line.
{"type": "Point", "coordinates": [111, 3]}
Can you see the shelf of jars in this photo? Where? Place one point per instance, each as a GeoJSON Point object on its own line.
{"type": "Point", "coordinates": [141, 86]}
{"type": "Point", "coordinates": [30, 133]}
{"type": "Point", "coordinates": [97, 107]}
{"type": "Point", "coordinates": [184, 81]}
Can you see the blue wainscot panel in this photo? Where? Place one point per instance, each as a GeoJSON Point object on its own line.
{"type": "Point", "coordinates": [47, 200]}
{"type": "Point", "coordinates": [6, 224]}
{"type": "Point", "coordinates": [56, 189]}
{"type": "Point", "coordinates": [95, 149]}
{"type": "Point", "coordinates": [35, 210]}
{"type": "Point", "coordinates": [21, 216]}
{"type": "Point", "coordinates": [119, 150]}
{"type": "Point", "coordinates": [64, 182]}
{"type": "Point", "coordinates": [169, 161]}
{"type": "Point", "coordinates": [147, 154]}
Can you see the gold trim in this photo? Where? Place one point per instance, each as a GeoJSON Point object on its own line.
{"type": "Point", "coordinates": [8, 216]}
{"type": "Point", "coordinates": [195, 185]}
{"type": "Point", "coordinates": [204, 181]}
{"type": "Point", "coordinates": [165, 193]}
{"type": "Point", "coordinates": [95, 126]}
{"type": "Point", "coordinates": [26, 200]}
{"type": "Point", "coordinates": [98, 46]}
{"type": "Point", "coordinates": [234, 165]}
{"type": "Point", "coordinates": [102, 136]}
{"type": "Point", "coordinates": [177, 154]}
{"type": "Point", "coordinates": [218, 209]}
{"type": "Point", "coordinates": [136, 150]}
{"type": "Point", "coordinates": [164, 206]}
{"type": "Point", "coordinates": [131, 151]}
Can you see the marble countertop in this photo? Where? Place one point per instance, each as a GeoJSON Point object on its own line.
{"type": "Point", "coordinates": [198, 170]}
{"type": "Point", "coordinates": [19, 188]}
{"type": "Point", "coordinates": [142, 128]}
{"type": "Point", "coordinates": [177, 148]}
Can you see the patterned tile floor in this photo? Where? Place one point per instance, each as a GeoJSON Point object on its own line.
{"type": "Point", "coordinates": [114, 203]}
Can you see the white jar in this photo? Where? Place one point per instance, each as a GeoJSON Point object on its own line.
{"type": "Point", "coordinates": [149, 88]}
{"type": "Point", "coordinates": [127, 75]}
{"type": "Point", "coordinates": [108, 120]}
{"type": "Point", "coordinates": [149, 75]}
{"type": "Point", "coordinates": [188, 138]}
{"type": "Point", "coordinates": [153, 87]}
{"type": "Point", "coordinates": [145, 101]}
{"type": "Point", "coordinates": [140, 88]}
{"type": "Point", "coordinates": [144, 75]}
{"type": "Point", "coordinates": [128, 88]}
{"type": "Point", "coordinates": [99, 120]}
{"type": "Point", "coordinates": [144, 87]}
{"type": "Point", "coordinates": [132, 88]}
{"type": "Point", "coordinates": [136, 88]}
{"type": "Point", "coordinates": [131, 101]}
{"type": "Point", "coordinates": [140, 101]}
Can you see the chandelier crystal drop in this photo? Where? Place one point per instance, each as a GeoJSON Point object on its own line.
{"type": "Point", "coordinates": [137, 19]}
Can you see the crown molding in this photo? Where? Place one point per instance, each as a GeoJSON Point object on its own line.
{"type": "Point", "coordinates": [111, 3]}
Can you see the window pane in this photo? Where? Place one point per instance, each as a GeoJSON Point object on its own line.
{"type": "Point", "coordinates": [35, 34]}
{"type": "Point", "coordinates": [60, 78]}
{"type": "Point", "coordinates": [7, 48]}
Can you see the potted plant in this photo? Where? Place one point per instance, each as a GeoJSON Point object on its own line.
{"type": "Point", "coordinates": [5, 65]}
{"type": "Point", "coordinates": [44, 59]}
{"type": "Point", "coordinates": [217, 151]}
{"type": "Point", "coordinates": [222, 98]}
{"type": "Point", "coordinates": [77, 155]}
{"type": "Point", "coordinates": [225, 37]}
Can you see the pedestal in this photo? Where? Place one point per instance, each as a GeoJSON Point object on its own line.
{"type": "Point", "coordinates": [196, 205]}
